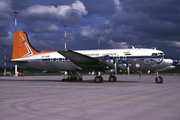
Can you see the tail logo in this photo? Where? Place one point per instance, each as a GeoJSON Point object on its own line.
{"type": "Point", "coordinates": [27, 46]}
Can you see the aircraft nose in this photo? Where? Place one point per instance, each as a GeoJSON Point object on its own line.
{"type": "Point", "coordinates": [175, 62]}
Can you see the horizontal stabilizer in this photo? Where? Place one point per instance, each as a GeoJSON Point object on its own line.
{"type": "Point", "coordinates": [17, 62]}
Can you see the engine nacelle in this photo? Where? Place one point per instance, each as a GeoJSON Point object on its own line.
{"type": "Point", "coordinates": [122, 66]}
{"type": "Point", "coordinates": [166, 68]}
{"type": "Point", "coordinates": [110, 62]}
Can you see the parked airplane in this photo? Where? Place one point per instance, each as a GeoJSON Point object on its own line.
{"type": "Point", "coordinates": [108, 60]}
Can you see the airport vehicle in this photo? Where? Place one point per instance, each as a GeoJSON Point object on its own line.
{"type": "Point", "coordinates": [108, 60]}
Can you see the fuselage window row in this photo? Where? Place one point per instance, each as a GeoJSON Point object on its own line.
{"type": "Point", "coordinates": [54, 59]}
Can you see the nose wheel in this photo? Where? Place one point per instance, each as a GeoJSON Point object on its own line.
{"type": "Point", "coordinates": [158, 79]}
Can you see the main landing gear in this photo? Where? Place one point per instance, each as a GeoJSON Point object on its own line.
{"type": "Point", "coordinates": [73, 77]}
{"type": "Point", "coordinates": [158, 78]}
{"type": "Point", "coordinates": [99, 78]}
{"type": "Point", "coordinates": [112, 78]}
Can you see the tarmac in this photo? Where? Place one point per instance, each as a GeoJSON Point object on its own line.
{"type": "Point", "coordinates": [130, 98]}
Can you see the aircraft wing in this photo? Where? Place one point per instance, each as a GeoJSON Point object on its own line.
{"type": "Point", "coordinates": [81, 60]}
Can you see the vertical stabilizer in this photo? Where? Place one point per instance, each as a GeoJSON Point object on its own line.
{"type": "Point", "coordinates": [22, 47]}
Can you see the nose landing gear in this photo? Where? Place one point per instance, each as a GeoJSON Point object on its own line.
{"type": "Point", "coordinates": [158, 79]}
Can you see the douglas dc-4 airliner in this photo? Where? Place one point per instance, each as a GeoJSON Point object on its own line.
{"type": "Point", "coordinates": [107, 60]}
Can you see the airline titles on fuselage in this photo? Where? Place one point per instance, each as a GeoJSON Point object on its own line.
{"type": "Point", "coordinates": [97, 54]}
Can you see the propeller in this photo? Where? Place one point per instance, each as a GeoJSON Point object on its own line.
{"type": "Point", "coordinates": [115, 67]}
{"type": "Point", "coordinates": [128, 69]}
{"type": "Point", "coordinates": [140, 74]}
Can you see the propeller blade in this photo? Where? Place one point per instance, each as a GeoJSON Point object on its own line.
{"type": "Point", "coordinates": [115, 67]}
{"type": "Point", "coordinates": [128, 69]}
{"type": "Point", "coordinates": [140, 74]}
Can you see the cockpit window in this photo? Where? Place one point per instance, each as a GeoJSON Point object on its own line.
{"type": "Point", "coordinates": [158, 54]}
{"type": "Point", "coordinates": [154, 54]}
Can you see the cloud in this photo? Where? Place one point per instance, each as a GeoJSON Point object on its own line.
{"type": "Point", "coordinates": [138, 21]}
{"type": "Point", "coordinates": [41, 27]}
{"type": "Point", "coordinates": [118, 45]}
{"type": "Point", "coordinates": [67, 13]}
{"type": "Point", "coordinates": [118, 5]}
{"type": "Point", "coordinates": [173, 43]}
{"type": "Point", "coordinates": [5, 11]}
{"type": "Point", "coordinates": [8, 41]}
{"type": "Point", "coordinates": [88, 31]}
{"type": "Point", "coordinates": [5, 6]}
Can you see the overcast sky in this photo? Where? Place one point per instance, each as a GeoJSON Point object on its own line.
{"type": "Point", "coordinates": [120, 24]}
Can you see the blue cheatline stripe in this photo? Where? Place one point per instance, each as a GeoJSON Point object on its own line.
{"type": "Point", "coordinates": [136, 57]}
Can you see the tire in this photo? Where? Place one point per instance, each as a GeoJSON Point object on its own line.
{"type": "Point", "coordinates": [98, 79]}
{"type": "Point", "coordinates": [80, 79]}
{"type": "Point", "coordinates": [159, 79]}
{"type": "Point", "coordinates": [112, 79]}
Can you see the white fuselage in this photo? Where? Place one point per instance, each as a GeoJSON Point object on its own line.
{"type": "Point", "coordinates": [98, 53]}
{"type": "Point", "coordinates": [137, 59]}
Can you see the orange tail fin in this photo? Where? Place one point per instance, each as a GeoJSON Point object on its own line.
{"type": "Point", "coordinates": [22, 47]}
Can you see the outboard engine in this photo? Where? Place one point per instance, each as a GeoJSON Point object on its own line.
{"type": "Point", "coordinates": [110, 62]}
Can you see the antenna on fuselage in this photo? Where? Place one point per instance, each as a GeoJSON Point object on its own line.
{"type": "Point", "coordinates": [154, 48]}
{"type": "Point", "coordinates": [133, 47]}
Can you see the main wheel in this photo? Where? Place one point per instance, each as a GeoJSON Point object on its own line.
{"type": "Point", "coordinates": [80, 79]}
{"type": "Point", "coordinates": [159, 79]}
{"type": "Point", "coordinates": [98, 79]}
{"type": "Point", "coordinates": [112, 79]}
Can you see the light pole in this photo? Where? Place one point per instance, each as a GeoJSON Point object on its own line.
{"type": "Point", "coordinates": [15, 12]}
{"type": "Point", "coordinates": [65, 73]}
{"type": "Point", "coordinates": [4, 60]}
{"type": "Point", "coordinates": [65, 37]}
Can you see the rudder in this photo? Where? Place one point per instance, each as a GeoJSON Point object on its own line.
{"type": "Point", "coordinates": [21, 46]}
